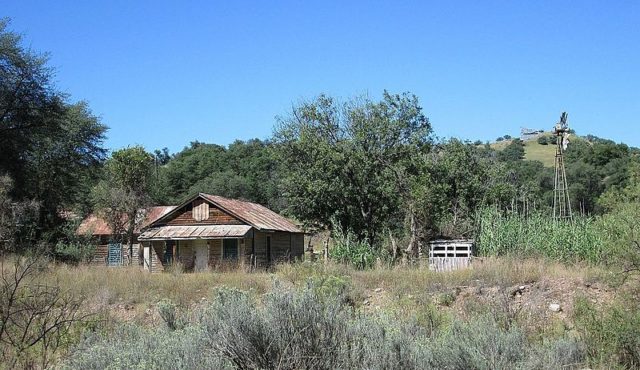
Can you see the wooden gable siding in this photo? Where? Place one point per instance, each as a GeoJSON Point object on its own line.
{"type": "Point", "coordinates": [185, 216]}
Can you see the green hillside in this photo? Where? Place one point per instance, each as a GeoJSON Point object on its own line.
{"type": "Point", "coordinates": [533, 151]}
{"type": "Point", "coordinates": [537, 152]}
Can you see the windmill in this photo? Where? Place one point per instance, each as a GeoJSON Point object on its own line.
{"type": "Point", "coordinates": [561, 201]}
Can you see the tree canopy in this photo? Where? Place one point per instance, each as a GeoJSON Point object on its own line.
{"type": "Point", "coordinates": [50, 148]}
{"type": "Point", "coordinates": [345, 161]}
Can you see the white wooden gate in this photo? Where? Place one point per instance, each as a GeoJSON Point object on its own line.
{"type": "Point", "coordinates": [449, 255]}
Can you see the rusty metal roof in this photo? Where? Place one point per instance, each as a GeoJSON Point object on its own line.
{"type": "Point", "coordinates": [256, 215]}
{"type": "Point", "coordinates": [96, 225]}
{"type": "Point", "coordinates": [194, 232]}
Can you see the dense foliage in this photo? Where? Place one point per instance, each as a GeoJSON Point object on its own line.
{"type": "Point", "coordinates": [49, 147]}
{"type": "Point", "coordinates": [347, 161]}
{"type": "Point", "coordinates": [244, 169]}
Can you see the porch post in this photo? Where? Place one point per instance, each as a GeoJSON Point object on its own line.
{"type": "Point", "coordinates": [174, 252]}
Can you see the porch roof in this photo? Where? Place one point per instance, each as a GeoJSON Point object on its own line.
{"type": "Point", "coordinates": [194, 232]}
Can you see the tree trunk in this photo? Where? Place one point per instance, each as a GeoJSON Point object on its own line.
{"type": "Point", "coordinates": [394, 246]}
{"type": "Point", "coordinates": [130, 233]}
{"type": "Point", "coordinates": [414, 244]}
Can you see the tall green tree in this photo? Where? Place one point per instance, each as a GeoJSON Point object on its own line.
{"type": "Point", "coordinates": [49, 147]}
{"type": "Point", "coordinates": [342, 160]}
{"type": "Point", "coordinates": [125, 191]}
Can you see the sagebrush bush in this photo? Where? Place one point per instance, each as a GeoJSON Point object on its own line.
{"type": "Point", "coordinates": [308, 329]}
{"type": "Point", "coordinates": [135, 347]}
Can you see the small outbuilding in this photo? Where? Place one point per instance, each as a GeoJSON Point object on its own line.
{"type": "Point", "coordinates": [208, 231]}
{"type": "Point", "coordinates": [110, 253]}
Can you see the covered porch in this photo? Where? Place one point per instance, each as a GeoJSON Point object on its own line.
{"type": "Point", "coordinates": [198, 248]}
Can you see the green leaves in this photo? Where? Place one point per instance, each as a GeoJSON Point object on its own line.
{"type": "Point", "coordinates": [347, 159]}
{"type": "Point", "coordinates": [50, 147]}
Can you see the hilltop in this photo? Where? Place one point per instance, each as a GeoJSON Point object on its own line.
{"type": "Point", "coordinates": [534, 150]}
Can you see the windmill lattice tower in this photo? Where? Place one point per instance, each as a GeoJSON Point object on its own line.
{"type": "Point", "coordinates": [561, 201]}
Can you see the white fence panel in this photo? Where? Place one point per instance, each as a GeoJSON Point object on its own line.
{"type": "Point", "coordinates": [449, 255]}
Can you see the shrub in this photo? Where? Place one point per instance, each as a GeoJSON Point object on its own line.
{"type": "Point", "coordinates": [132, 347]}
{"type": "Point", "coordinates": [611, 333]}
{"type": "Point", "coordinates": [74, 252]}
{"type": "Point", "coordinates": [543, 140]}
{"type": "Point", "coordinates": [74, 248]}
{"type": "Point", "coordinates": [37, 317]}
{"type": "Point", "coordinates": [167, 311]}
{"type": "Point", "coordinates": [293, 329]}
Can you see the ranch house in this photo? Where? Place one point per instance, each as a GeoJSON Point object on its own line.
{"type": "Point", "coordinates": [211, 232]}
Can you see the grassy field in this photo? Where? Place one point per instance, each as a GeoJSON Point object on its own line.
{"type": "Point", "coordinates": [510, 296]}
{"type": "Point", "coordinates": [543, 153]}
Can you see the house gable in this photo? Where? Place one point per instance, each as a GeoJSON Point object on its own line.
{"type": "Point", "coordinates": [199, 212]}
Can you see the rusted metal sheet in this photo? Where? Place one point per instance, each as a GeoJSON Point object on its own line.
{"type": "Point", "coordinates": [96, 225]}
{"type": "Point", "coordinates": [194, 232]}
{"type": "Point", "coordinates": [256, 215]}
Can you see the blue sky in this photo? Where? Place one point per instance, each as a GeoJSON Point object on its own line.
{"type": "Point", "coordinates": [164, 73]}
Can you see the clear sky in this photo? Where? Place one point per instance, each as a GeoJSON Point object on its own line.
{"type": "Point", "coordinates": [164, 73]}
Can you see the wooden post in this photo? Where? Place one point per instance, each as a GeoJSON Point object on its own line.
{"type": "Point", "coordinates": [326, 251]}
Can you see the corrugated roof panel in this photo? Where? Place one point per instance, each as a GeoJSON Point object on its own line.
{"type": "Point", "coordinates": [96, 225]}
{"type": "Point", "coordinates": [255, 214]}
{"type": "Point", "coordinates": [195, 232]}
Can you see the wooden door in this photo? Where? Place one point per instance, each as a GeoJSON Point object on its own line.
{"type": "Point", "coordinates": [114, 254]}
{"type": "Point", "coordinates": [202, 255]}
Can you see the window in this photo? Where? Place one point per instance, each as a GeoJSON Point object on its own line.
{"type": "Point", "coordinates": [230, 249]}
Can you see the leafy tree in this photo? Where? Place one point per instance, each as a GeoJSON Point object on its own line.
{"type": "Point", "coordinates": [49, 147]}
{"type": "Point", "coordinates": [18, 220]}
{"type": "Point", "coordinates": [124, 191]}
{"type": "Point", "coordinates": [245, 170]}
{"type": "Point", "coordinates": [347, 160]}
{"type": "Point", "coordinates": [512, 152]}
{"type": "Point", "coordinates": [191, 165]}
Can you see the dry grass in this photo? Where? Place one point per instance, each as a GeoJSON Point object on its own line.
{"type": "Point", "coordinates": [130, 285]}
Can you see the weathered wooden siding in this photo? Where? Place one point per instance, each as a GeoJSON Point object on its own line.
{"type": "Point", "coordinates": [157, 256]}
{"type": "Point", "coordinates": [102, 252]}
{"type": "Point", "coordinates": [284, 247]}
{"type": "Point", "coordinates": [185, 216]}
{"type": "Point", "coordinates": [297, 246]}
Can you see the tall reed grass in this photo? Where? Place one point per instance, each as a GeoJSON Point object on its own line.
{"type": "Point", "coordinates": [537, 235]}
